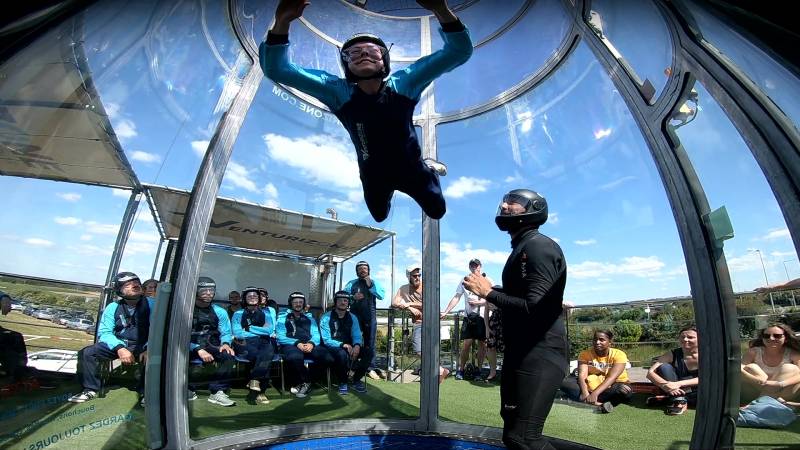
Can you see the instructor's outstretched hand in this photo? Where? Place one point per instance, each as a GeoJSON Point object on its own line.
{"type": "Point", "coordinates": [286, 12]}
{"type": "Point", "coordinates": [478, 285]}
{"type": "Point", "coordinates": [440, 9]}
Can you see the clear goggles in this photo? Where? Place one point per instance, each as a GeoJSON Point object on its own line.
{"type": "Point", "coordinates": [370, 50]}
{"type": "Point", "coordinates": [514, 198]}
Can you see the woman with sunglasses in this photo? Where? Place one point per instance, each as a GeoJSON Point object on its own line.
{"type": "Point", "coordinates": [772, 365]}
{"type": "Point", "coordinates": [374, 105]}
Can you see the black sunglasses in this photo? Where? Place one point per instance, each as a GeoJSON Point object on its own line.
{"type": "Point", "coordinates": [773, 335]}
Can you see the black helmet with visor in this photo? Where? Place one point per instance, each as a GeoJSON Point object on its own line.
{"type": "Point", "coordinates": [535, 213]}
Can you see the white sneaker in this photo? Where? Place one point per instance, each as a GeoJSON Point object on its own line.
{"type": "Point", "coordinates": [262, 399]}
{"type": "Point", "coordinates": [84, 396]}
{"type": "Point", "coordinates": [437, 166]}
{"type": "Point", "coordinates": [254, 385]}
{"type": "Point", "coordinates": [374, 375]}
{"type": "Point", "coordinates": [221, 398]}
{"type": "Point", "coordinates": [295, 389]}
{"type": "Point", "coordinates": [303, 389]}
{"type": "Point", "coordinates": [191, 395]}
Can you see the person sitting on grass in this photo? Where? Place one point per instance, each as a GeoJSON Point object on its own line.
{"type": "Point", "coordinates": [771, 365]}
{"type": "Point", "coordinates": [298, 336]}
{"type": "Point", "coordinates": [341, 335]}
{"type": "Point", "coordinates": [122, 334]}
{"type": "Point", "coordinates": [675, 373]}
{"type": "Point", "coordinates": [602, 380]}
{"type": "Point", "coordinates": [211, 341]}
{"type": "Point", "coordinates": [14, 357]}
{"type": "Point", "coordinates": [253, 328]}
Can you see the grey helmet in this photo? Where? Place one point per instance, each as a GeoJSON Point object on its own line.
{"type": "Point", "coordinates": [121, 278]}
{"type": "Point", "coordinates": [535, 210]}
{"type": "Point", "coordinates": [206, 283]}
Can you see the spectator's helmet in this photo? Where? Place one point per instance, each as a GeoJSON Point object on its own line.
{"type": "Point", "coordinates": [264, 292]}
{"type": "Point", "coordinates": [535, 210]}
{"type": "Point", "coordinates": [295, 295]}
{"type": "Point", "coordinates": [341, 295]}
{"type": "Point", "coordinates": [121, 278]}
{"type": "Point", "coordinates": [248, 290]}
{"type": "Point", "coordinates": [362, 264]}
{"type": "Point", "coordinates": [206, 283]}
{"type": "Point", "coordinates": [359, 38]}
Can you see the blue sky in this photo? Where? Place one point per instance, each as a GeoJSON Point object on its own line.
{"type": "Point", "coordinates": [572, 139]}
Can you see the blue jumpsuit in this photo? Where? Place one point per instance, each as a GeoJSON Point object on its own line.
{"type": "Point", "coordinates": [380, 125]}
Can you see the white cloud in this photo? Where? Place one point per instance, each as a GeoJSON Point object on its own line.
{"type": "Point", "coordinates": [600, 134]}
{"type": "Point", "coordinates": [145, 157]}
{"type": "Point", "coordinates": [556, 240]}
{"type": "Point", "coordinates": [552, 218]}
{"type": "Point", "coordinates": [86, 237]}
{"type": "Point", "coordinates": [92, 250]}
{"type": "Point", "coordinates": [120, 193]}
{"type": "Point", "coordinates": [638, 266]}
{"type": "Point", "coordinates": [456, 258]}
{"type": "Point", "coordinates": [783, 254]}
{"type": "Point", "coordinates": [586, 242]}
{"type": "Point", "coordinates": [271, 195]}
{"type": "Point", "coordinates": [199, 148]}
{"type": "Point", "coordinates": [324, 160]}
{"type": "Point", "coordinates": [143, 236]}
{"type": "Point", "coordinates": [776, 233]}
{"type": "Point", "coordinates": [112, 109]}
{"type": "Point", "coordinates": [464, 186]}
{"type": "Point", "coordinates": [239, 176]}
{"type": "Point", "coordinates": [516, 178]}
{"type": "Point", "coordinates": [67, 220]}
{"type": "Point", "coordinates": [125, 129]}
{"type": "Point", "coordinates": [38, 242]}
{"type": "Point", "coordinates": [101, 228]}
{"type": "Point", "coordinates": [136, 248]}
{"type": "Point", "coordinates": [69, 196]}
{"type": "Point", "coordinates": [746, 262]}
{"type": "Point", "coordinates": [413, 254]}
{"type": "Point", "coordinates": [616, 183]}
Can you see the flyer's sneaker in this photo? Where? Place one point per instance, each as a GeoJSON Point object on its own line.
{"type": "Point", "coordinates": [254, 385]}
{"type": "Point", "coordinates": [359, 387]}
{"type": "Point", "coordinates": [437, 166]}
{"type": "Point", "coordinates": [606, 407]}
{"type": "Point", "coordinates": [84, 396]}
{"type": "Point", "coordinates": [343, 389]}
{"type": "Point", "coordinates": [459, 375]}
{"type": "Point", "coordinates": [302, 390]}
{"type": "Point", "coordinates": [191, 395]}
{"type": "Point", "coordinates": [262, 399]}
{"type": "Point", "coordinates": [221, 398]}
{"type": "Point", "coordinates": [374, 375]}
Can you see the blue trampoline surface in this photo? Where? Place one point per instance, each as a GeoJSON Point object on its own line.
{"type": "Point", "coordinates": [393, 441]}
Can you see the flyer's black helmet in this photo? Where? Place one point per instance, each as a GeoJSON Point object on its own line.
{"type": "Point", "coordinates": [248, 290]}
{"type": "Point", "coordinates": [295, 295]}
{"type": "Point", "coordinates": [343, 295]}
{"type": "Point", "coordinates": [356, 39]}
{"type": "Point", "coordinates": [121, 278]}
{"type": "Point", "coordinates": [206, 283]}
{"type": "Point", "coordinates": [535, 210]}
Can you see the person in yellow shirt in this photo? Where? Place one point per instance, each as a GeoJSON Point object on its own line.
{"type": "Point", "coordinates": [602, 380]}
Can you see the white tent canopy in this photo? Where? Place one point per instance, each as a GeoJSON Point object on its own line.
{"type": "Point", "coordinates": [254, 227]}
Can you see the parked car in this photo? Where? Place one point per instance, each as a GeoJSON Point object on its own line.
{"type": "Point", "coordinates": [17, 306]}
{"type": "Point", "coordinates": [81, 324]}
{"type": "Point", "coordinates": [29, 310]}
{"type": "Point", "coordinates": [44, 314]}
{"type": "Point", "coordinates": [54, 360]}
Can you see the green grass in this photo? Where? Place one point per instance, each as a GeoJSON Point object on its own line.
{"type": "Point", "coordinates": [629, 426]}
{"type": "Point", "coordinates": [58, 336]}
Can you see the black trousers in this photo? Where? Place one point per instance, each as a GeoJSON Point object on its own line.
{"type": "Point", "coordinates": [221, 379]}
{"type": "Point", "coordinates": [616, 393]}
{"type": "Point", "coordinates": [527, 391]}
{"type": "Point", "coordinates": [89, 360]}
{"type": "Point", "coordinates": [341, 362]}
{"type": "Point", "coordinates": [259, 351]}
{"type": "Point", "coordinates": [667, 372]}
{"type": "Point", "coordinates": [294, 358]}
{"type": "Point", "coordinates": [419, 181]}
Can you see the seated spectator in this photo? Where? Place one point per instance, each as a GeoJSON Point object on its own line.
{"type": "Point", "coordinates": [602, 379]}
{"type": "Point", "coordinates": [121, 334]}
{"type": "Point", "coordinates": [14, 357]}
{"type": "Point", "coordinates": [253, 329]}
{"type": "Point", "coordinates": [675, 373]}
{"type": "Point", "coordinates": [341, 335]}
{"type": "Point", "coordinates": [298, 337]}
{"type": "Point", "coordinates": [150, 288]}
{"type": "Point", "coordinates": [234, 303]}
{"type": "Point", "coordinates": [771, 365]}
{"type": "Point", "coordinates": [263, 296]}
{"type": "Point", "coordinates": [211, 341]}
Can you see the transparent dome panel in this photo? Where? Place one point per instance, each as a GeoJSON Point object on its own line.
{"type": "Point", "coordinates": [403, 8]}
{"type": "Point", "coordinates": [636, 34]}
{"type": "Point", "coordinates": [339, 20]}
{"type": "Point", "coordinates": [761, 252]}
{"type": "Point", "coordinates": [485, 18]}
{"type": "Point", "coordinates": [505, 61]}
{"type": "Point", "coordinates": [591, 163]}
{"type": "Point", "coordinates": [57, 258]}
{"type": "Point", "coordinates": [774, 80]}
{"type": "Point", "coordinates": [162, 109]}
